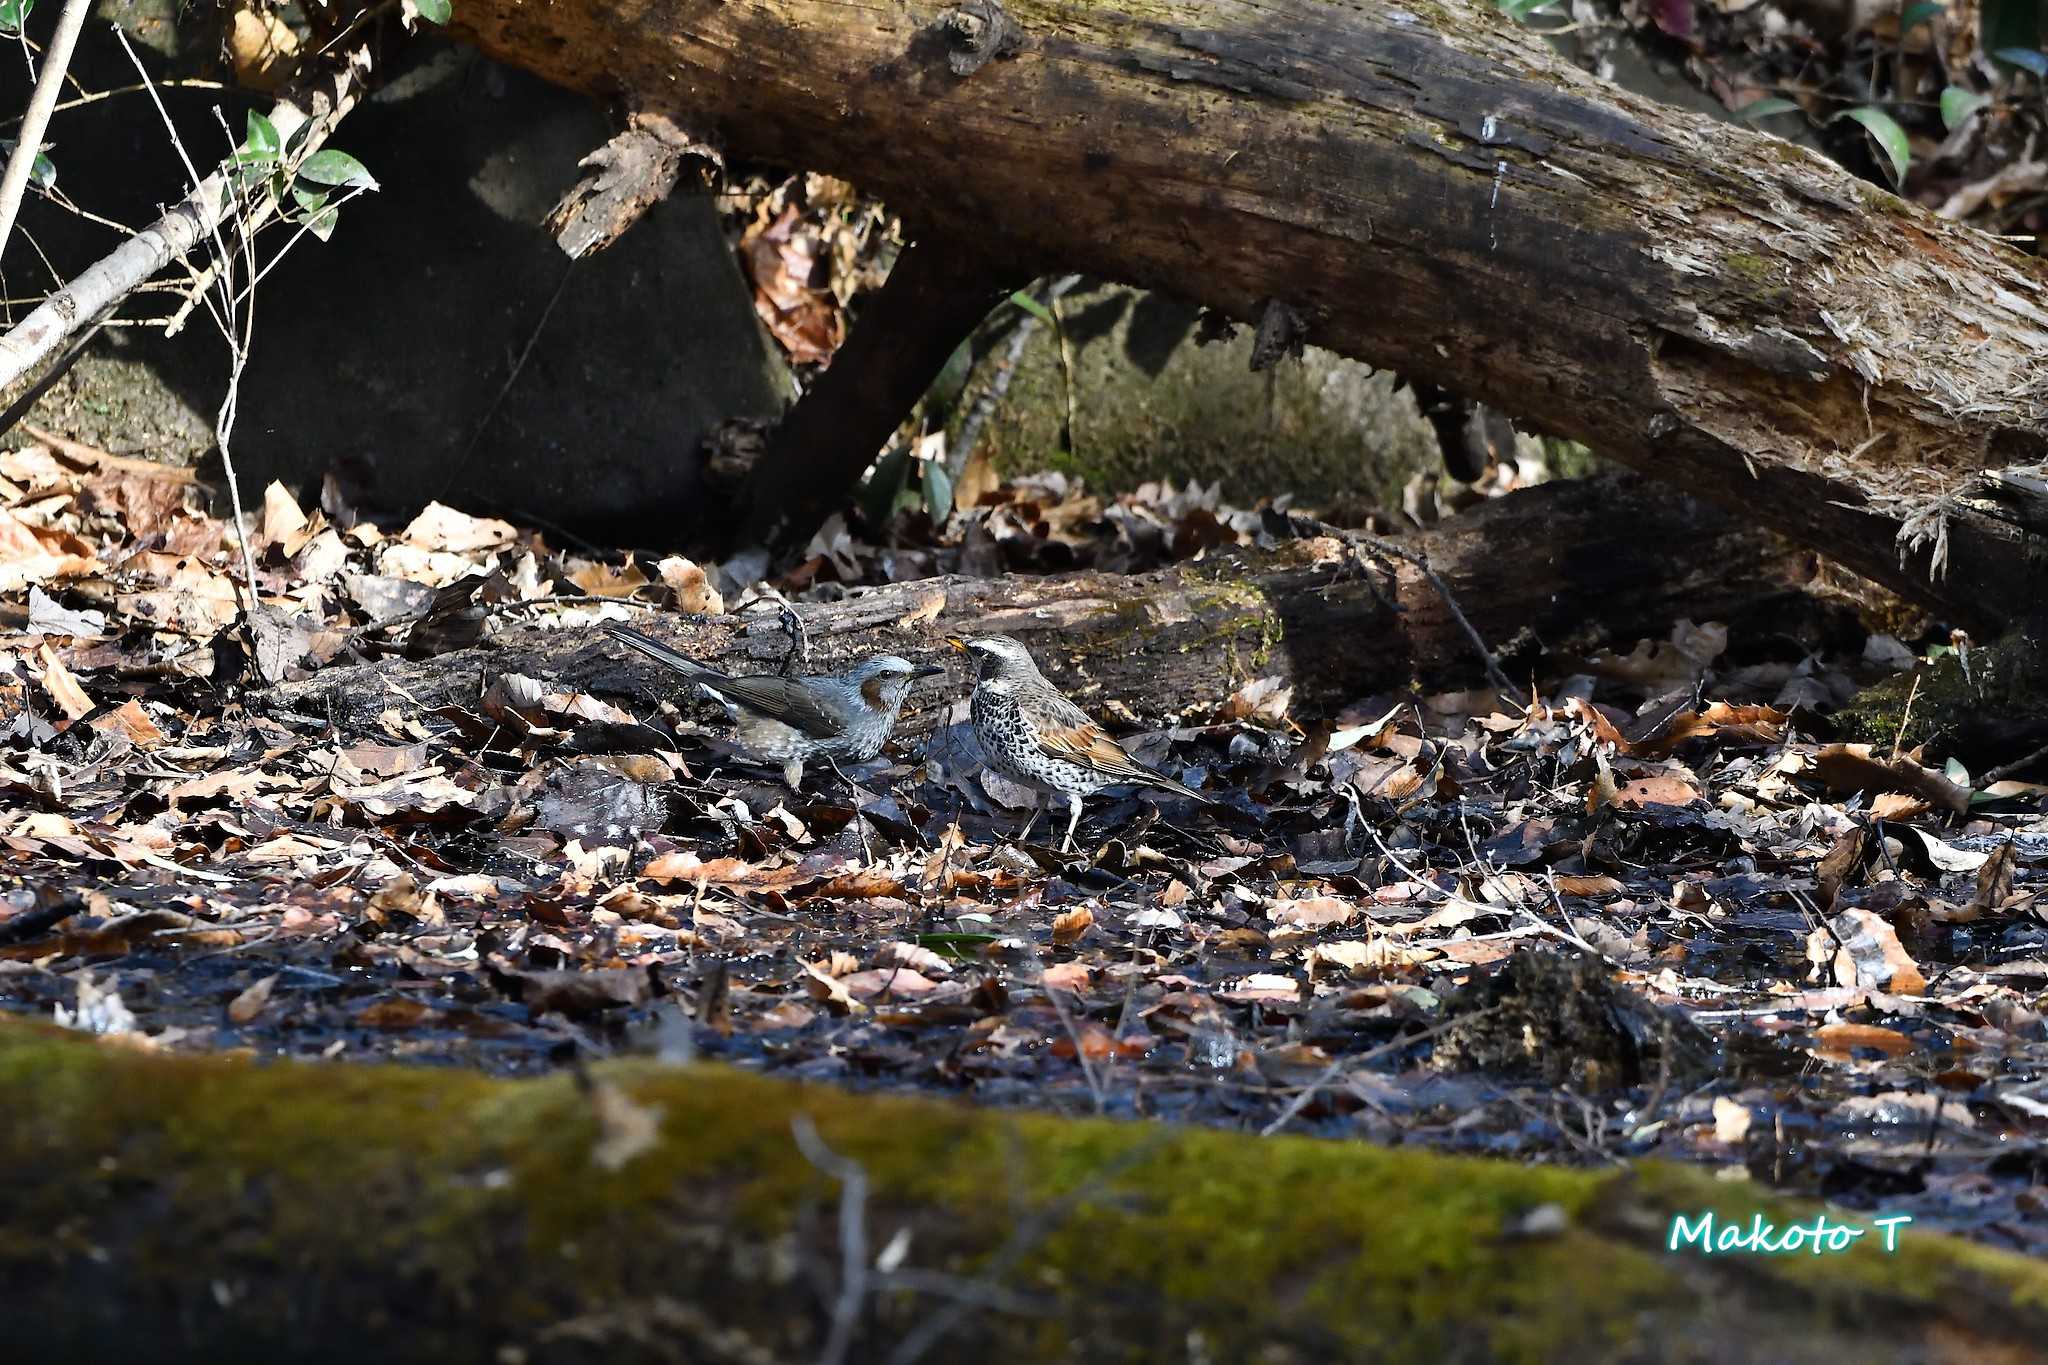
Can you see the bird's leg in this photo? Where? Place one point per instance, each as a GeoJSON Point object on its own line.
{"type": "Point", "coordinates": [1037, 808]}
{"type": "Point", "coordinates": [793, 773]}
{"type": "Point", "coordinates": [799, 654]}
{"type": "Point", "coordinates": [1073, 821]}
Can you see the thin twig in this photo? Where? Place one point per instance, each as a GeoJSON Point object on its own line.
{"type": "Point", "coordinates": [853, 1235]}
{"type": "Point", "coordinates": [518, 368]}
{"type": "Point", "coordinates": [41, 104]}
{"type": "Point", "coordinates": [1358, 539]}
{"type": "Point", "coordinates": [2005, 770]}
{"type": "Point", "coordinates": [238, 346]}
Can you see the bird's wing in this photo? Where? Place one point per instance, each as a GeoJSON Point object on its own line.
{"type": "Point", "coordinates": [788, 700]}
{"type": "Point", "coordinates": [1064, 731]}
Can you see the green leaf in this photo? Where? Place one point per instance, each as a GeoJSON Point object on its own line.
{"type": "Point", "coordinates": [263, 143]}
{"type": "Point", "coordinates": [962, 946]}
{"type": "Point", "coordinates": [433, 11]}
{"type": "Point", "coordinates": [42, 172]}
{"type": "Point", "coordinates": [888, 478]}
{"type": "Point", "coordinates": [321, 224]}
{"type": "Point", "coordinates": [952, 381]}
{"type": "Point", "coordinates": [1767, 107]}
{"type": "Point", "coordinates": [14, 13]}
{"type": "Point", "coordinates": [312, 201]}
{"type": "Point", "coordinates": [336, 168]}
{"type": "Point", "coordinates": [1955, 772]}
{"type": "Point", "coordinates": [1522, 9]}
{"type": "Point", "coordinates": [1919, 13]}
{"type": "Point", "coordinates": [2026, 58]}
{"type": "Point", "coordinates": [1034, 307]}
{"type": "Point", "coordinates": [938, 491]}
{"type": "Point", "coordinates": [1957, 104]}
{"type": "Point", "coordinates": [1886, 133]}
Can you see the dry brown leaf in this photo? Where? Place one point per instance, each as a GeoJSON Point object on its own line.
{"type": "Point", "coordinates": [263, 48]}
{"type": "Point", "coordinates": [131, 720]}
{"type": "Point", "coordinates": [1994, 879]}
{"type": "Point", "coordinates": [1589, 886]}
{"type": "Point", "coordinates": [687, 867]}
{"type": "Point", "coordinates": [1836, 1042]}
{"type": "Point", "coordinates": [246, 1006]}
{"type": "Point", "coordinates": [887, 982]}
{"type": "Point", "coordinates": [1897, 806]}
{"type": "Point", "coordinates": [1071, 977]}
{"type": "Point", "coordinates": [1264, 700]}
{"type": "Point", "coordinates": [1731, 1120]}
{"type": "Point", "coordinates": [691, 585]}
{"type": "Point", "coordinates": [1655, 789]}
{"type": "Point", "coordinates": [282, 516]}
{"type": "Point", "coordinates": [1840, 864]}
{"type": "Point", "coordinates": [928, 608]}
{"type": "Point", "coordinates": [1069, 925]}
{"type": "Point", "coordinates": [1853, 768]}
{"type": "Point", "coordinates": [607, 580]}
{"type": "Point", "coordinates": [1864, 952]}
{"type": "Point", "coordinates": [1311, 912]}
{"type": "Point", "coordinates": [62, 687]}
{"type": "Point", "coordinates": [439, 527]}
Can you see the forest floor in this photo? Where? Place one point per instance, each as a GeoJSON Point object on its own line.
{"type": "Point", "coordinates": [1653, 911]}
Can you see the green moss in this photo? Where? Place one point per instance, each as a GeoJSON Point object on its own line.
{"type": "Point", "coordinates": [2004, 692]}
{"type": "Point", "coordinates": [476, 1204]}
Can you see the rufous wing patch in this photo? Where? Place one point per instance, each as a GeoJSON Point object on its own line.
{"type": "Point", "coordinates": [1087, 744]}
{"type": "Point", "coordinates": [872, 691]}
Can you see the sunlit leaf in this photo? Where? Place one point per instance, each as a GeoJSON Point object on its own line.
{"type": "Point", "coordinates": [1033, 307]}
{"type": "Point", "coordinates": [1886, 133]}
{"type": "Point", "coordinates": [14, 13]}
{"type": "Point", "coordinates": [263, 143]}
{"type": "Point", "coordinates": [433, 11]}
{"type": "Point", "coordinates": [1957, 104]}
{"type": "Point", "coordinates": [330, 167]}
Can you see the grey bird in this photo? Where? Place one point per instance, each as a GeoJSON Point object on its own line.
{"type": "Point", "coordinates": [790, 721]}
{"type": "Point", "coordinates": [1035, 737]}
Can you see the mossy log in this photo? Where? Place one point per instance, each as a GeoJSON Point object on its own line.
{"type": "Point", "coordinates": [1426, 187]}
{"type": "Point", "coordinates": [175, 1208]}
{"type": "Point", "coordinates": [1564, 563]}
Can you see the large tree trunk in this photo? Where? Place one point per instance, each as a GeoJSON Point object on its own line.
{"type": "Point", "coordinates": [1429, 189]}
{"type": "Point", "coordinates": [1573, 563]}
{"type": "Point", "coordinates": [155, 1208]}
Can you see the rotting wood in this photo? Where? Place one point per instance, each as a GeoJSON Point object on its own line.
{"type": "Point", "coordinates": [1569, 563]}
{"type": "Point", "coordinates": [1432, 190]}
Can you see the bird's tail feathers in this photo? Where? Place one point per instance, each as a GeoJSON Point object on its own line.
{"type": "Point", "coordinates": [661, 653]}
{"type": "Point", "coordinates": [1165, 783]}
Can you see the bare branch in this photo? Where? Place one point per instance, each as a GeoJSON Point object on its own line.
{"type": "Point", "coordinates": [49, 85]}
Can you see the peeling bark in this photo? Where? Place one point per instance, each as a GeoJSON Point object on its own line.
{"type": "Point", "coordinates": [1573, 563]}
{"type": "Point", "coordinates": [1431, 190]}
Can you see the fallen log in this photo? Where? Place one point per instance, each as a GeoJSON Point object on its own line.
{"type": "Point", "coordinates": [161, 1208]}
{"type": "Point", "coordinates": [1429, 189]}
{"type": "Point", "coordinates": [1571, 563]}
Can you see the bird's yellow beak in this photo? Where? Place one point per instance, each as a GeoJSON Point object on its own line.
{"type": "Point", "coordinates": [957, 643]}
